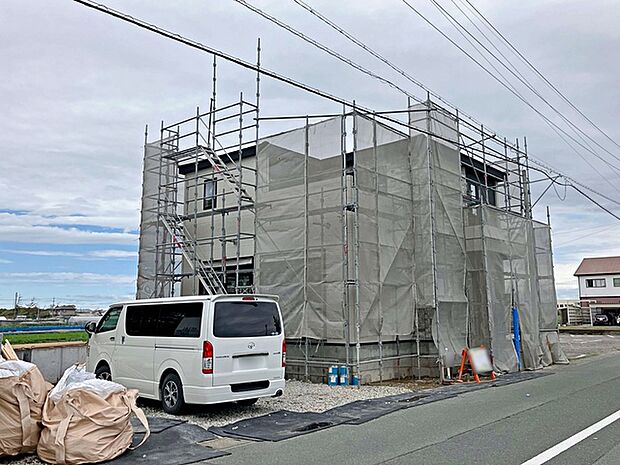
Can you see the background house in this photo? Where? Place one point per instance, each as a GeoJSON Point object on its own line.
{"type": "Point", "coordinates": [599, 286]}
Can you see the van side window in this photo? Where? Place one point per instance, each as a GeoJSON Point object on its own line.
{"type": "Point", "coordinates": [180, 320]}
{"type": "Point", "coordinates": [109, 320]}
{"type": "Point", "coordinates": [141, 320]}
{"type": "Point", "coordinates": [164, 320]}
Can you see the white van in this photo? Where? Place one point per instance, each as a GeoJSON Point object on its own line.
{"type": "Point", "coordinates": [194, 350]}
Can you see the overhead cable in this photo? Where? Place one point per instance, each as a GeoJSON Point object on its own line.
{"type": "Point", "coordinates": [582, 134]}
{"type": "Point", "coordinates": [543, 168]}
{"type": "Point", "coordinates": [456, 24]}
{"type": "Point", "coordinates": [399, 70]}
{"type": "Point", "coordinates": [539, 73]}
{"type": "Point", "coordinates": [325, 48]}
{"type": "Point", "coordinates": [508, 87]}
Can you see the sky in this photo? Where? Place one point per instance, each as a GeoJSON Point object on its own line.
{"type": "Point", "coordinates": [78, 88]}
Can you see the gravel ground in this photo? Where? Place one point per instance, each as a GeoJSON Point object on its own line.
{"type": "Point", "coordinates": [298, 397]}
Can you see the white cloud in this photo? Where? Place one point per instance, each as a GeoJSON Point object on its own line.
{"type": "Point", "coordinates": [67, 277]}
{"type": "Point", "coordinates": [90, 254]}
{"type": "Point", "coordinates": [5, 261]}
{"type": "Point", "coordinates": [43, 253]}
{"type": "Point", "coordinates": [113, 254]}
{"type": "Point", "coordinates": [55, 235]}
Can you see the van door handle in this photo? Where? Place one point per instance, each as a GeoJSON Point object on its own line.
{"type": "Point", "coordinates": [112, 338]}
{"type": "Point", "coordinates": [122, 339]}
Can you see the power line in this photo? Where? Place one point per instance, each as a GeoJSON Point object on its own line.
{"type": "Point", "coordinates": [368, 49]}
{"type": "Point", "coordinates": [325, 48]}
{"type": "Point", "coordinates": [595, 202]}
{"type": "Point", "coordinates": [378, 56]}
{"type": "Point", "coordinates": [554, 126]}
{"type": "Point", "coordinates": [359, 67]}
{"type": "Point", "coordinates": [543, 168]}
{"type": "Point", "coordinates": [528, 84]}
{"type": "Point", "coordinates": [523, 80]}
{"type": "Point", "coordinates": [493, 28]}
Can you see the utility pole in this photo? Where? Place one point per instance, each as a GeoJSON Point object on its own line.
{"type": "Point", "coordinates": [16, 304]}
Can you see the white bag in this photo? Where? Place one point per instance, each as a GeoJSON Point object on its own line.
{"type": "Point", "coordinates": [87, 420]}
{"type": "Point", "coordinates": [22, 394]}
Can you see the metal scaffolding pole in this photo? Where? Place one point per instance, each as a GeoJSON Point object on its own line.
{"type": "Point", "coordinates": [239, 189]}
{"type": "Point", "coordinates": [344, 202]}
{"type": "Point", "coordinates": [306, 241]}
{"type": "Point", "coordinates": [431, 190]}
{"type": "Point", "coordinates": [356, 250]}
{"type": "Point", "coordinates": [415, 309]}
{"type": "Point", "coordinates": [378, 240]}
{"type": "Point", "coordinates": [256, 180]}
{"type": "Point", "coordinates": [195, 287]}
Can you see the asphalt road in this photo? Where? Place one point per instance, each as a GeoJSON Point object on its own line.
{"type": "Point", "coordinates": [499, 425]}
{"type": "Point", "coordinates": [578, 346]}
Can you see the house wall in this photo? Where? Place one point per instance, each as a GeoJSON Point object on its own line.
{"type": "Point", "coordinates": [608, 291]}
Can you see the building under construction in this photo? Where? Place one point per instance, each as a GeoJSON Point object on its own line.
{"type": "Point", "coordinates": [393, 239]}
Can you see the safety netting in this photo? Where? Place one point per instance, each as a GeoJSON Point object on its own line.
{"type": "Point", "coordinates": [298, 228]}
{"type": "Point", "coordinates": [549, 337]}
{"type": "Point", "coordinates": [440, 260]}
{"type": "Point", "coordinates": [308, 201]}
{"type": "Point", "coordinates": [510, 266]}
{"type": "Point", "coordinates": [153, 259]}
{"type": "Point", "coordinates": [361, 230]}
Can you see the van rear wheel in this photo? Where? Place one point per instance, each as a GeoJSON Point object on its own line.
{"type": "Point", "coordinates": [171, 393]}
{"type": "Point", "coordinates": [247, 402]}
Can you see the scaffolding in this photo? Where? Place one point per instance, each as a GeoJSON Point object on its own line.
{"type": "Point", "coordinates": [394, 239]}
{"type": "Point", "coordinates": [187, 243]}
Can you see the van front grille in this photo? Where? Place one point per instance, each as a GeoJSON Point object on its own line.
{"type": "Point", "coordinates": [253, 386]}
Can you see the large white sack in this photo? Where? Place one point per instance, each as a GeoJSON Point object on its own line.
{"type": "Point", "coordinates": [86, 420]}
{"type": "Point", "coordinates": [22, 394]}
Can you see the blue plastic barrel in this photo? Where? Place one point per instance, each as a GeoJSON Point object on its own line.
{"type": "Point", "coordinates": [332, 375]}
{"type": "Point", "coordinates": [344, 375]}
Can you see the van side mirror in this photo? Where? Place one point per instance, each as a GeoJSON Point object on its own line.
{"type": "Point", "coordinates": [90, 327]}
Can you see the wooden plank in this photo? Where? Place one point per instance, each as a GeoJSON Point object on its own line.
{"type": "Point", "coordinates": [8, 352]}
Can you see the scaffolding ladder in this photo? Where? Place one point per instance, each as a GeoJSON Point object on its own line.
{"type": "Point", "coordinates": [182, 239]}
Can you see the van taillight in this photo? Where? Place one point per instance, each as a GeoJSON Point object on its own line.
{"type": "Point", "coordinates": [207, 358]}
{"type": "Point", "coordinates": [283, 352]}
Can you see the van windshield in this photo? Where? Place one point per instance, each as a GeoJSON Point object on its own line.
{"type": "Point", "coordinates": [246, 319]}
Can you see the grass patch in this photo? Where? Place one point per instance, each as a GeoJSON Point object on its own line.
{"type": "Point", "coordinates": [35, 338]}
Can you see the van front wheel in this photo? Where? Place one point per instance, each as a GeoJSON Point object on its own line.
{"type": "Point", "coordinates": [103, 372]}
{"type": "Point", "coordinates": [171, 393]}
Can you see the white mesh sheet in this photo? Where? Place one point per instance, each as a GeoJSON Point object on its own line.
{"type": "Point", "coordinates": [387, 295]}
{"type": "Point", "coordinates": [151, 261]}
{"type": "Point", "coordinates": [301, 260]}
{"type": "Point", "coordinates": [549, 339]}
{"type": "Point", "coordinates": [512, 255]}
{"type": "Point", "coordinates": [438, 219]}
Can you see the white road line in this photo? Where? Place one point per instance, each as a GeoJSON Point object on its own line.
{"type": "Point", "coordinates": [547, 455]}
